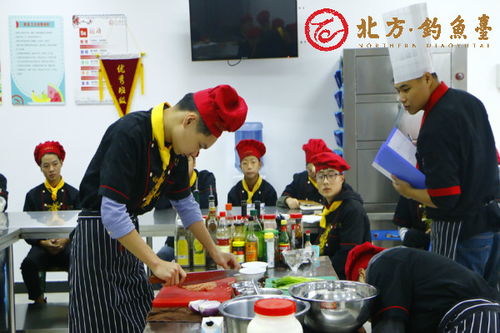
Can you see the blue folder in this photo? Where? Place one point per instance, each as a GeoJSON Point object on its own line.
{"type": "Point", "coordinates": [391, 161]}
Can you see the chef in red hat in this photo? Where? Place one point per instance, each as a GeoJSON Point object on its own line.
{"type": "Point", "coordinates": [252, 187]}
{"type": "Point", "coordinates": [142, 155]}
{"type": "Point", "coordinates": [303, 185]}
{"type": "Point", "coordinates": [344, 222]}
{"type": "Point", "coordinates": [421, 291]}
{"type": "Point", "coordinates": [53, 194]}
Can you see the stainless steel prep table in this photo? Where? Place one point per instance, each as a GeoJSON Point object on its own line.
{"type": "Point", "coordinates": [324, 268]}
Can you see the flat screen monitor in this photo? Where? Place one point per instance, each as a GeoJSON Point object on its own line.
{"type": "Point", "coordinates": [243, 29]}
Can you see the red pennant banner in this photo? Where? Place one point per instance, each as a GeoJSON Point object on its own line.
{"type": "Point", "coordinates": [121, 76]}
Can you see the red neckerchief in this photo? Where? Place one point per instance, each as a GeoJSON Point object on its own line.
{"type": "Point", "coordinates": [435, 97]}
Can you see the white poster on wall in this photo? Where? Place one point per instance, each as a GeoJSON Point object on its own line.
{"type": "Point", "coordinates": [37, 60]}
{"type": "Point", "coordinates": [97, 35]}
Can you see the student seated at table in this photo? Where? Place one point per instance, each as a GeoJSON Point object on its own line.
{"type": "Point", "coordinates": [421, 291]}
{"type": "Point", "coordinates": [409, 217]}
{"type": "Point", "coordinates": [303, 185]}
{"type": "Point", "coordinates": [344, 222]}
{"type": "Point", "coordinates": [252, 187]}
{"type": "Point", "coordinates": [4, 195]}
{"type": "Point", "coordinates": [202, 185]}
{"type": "Point", "coordinates": [52, 195]}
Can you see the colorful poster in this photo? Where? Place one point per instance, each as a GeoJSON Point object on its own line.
{"type": "Point", "coordinates": [37, 60]}
{"type": "Point", "coordinates": [97, 35]}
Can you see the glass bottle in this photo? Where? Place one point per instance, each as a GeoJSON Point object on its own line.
{"type": "Point", "coordinates": [258, 232]}
{"type": "Point", "coordinates": [251, 242]}
{"type": "Point", "coordinates": [296, 218]}
{"type": "Point", "coordinates": [283, 241]}
{"type": "Point", "coordinates": [223, 237]}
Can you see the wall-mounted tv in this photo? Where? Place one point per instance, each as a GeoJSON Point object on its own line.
{"type": "Point", "coordinates": [243, 29]}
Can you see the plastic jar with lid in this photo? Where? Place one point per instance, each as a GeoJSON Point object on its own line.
{"type": "Point", "coordinates": [274, 315]}
{"type": "Point", "coordinates": [239, 251]}
{"type": "Point", "coordinates": [269, 221]}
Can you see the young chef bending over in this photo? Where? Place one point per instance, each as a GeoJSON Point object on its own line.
{"type": "Point", "coordinates": [420, 291]}
{"type": "Point", "coordinates": [252, 187]}
{"type": "Point", "coordinates": [141, 156]}
{"type": "Point", "coordinates": [344, 222]}
{"type": "Point", "coordinates": [303, 185]}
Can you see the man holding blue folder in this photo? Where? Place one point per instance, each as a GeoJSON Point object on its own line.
{"type": "Point", "coordinates": [456, 152]}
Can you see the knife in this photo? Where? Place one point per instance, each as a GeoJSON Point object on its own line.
{"type": "Point", "coordinates": [201, 277]}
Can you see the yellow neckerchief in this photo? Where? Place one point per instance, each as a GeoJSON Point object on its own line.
{"type": "Point", "coordinates": [313, 182]}
{"type": "Point", "coordinates": [323, 238]}
{"type": "Point", "coordinates": [159, 137]}
{"type": "Point", "coordinates": [322, 223]}
{"type": "Point", "coordinates": [193, 178]}
{"type": "Point", "coordinates": [159, 134]}
{"type": "Point", "coordinates": [255, 188]}
{"type": "Point", "coordinates": [53, 190]}
{"type": "Point", "coordinates": [333, 206]}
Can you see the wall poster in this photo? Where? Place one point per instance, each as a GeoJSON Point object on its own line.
{"type": "Point", "coordinates": [37, 60]}
{"type": "Point", "coordinates": [97, 35]}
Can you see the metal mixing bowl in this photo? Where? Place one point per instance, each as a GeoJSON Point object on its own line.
{"type": "Point", "coordinates": [336, 306]}
{"type": "Point", "coordinates": [238, 311]}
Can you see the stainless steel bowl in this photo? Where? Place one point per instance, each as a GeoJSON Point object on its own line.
{"type": "Point", "coordinates": [238, 311]}
{"type": "Point", "coordinates": [336, 306]}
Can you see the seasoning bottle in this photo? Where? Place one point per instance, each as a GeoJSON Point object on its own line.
{"type": "Point", "coordinates": [199, 254]}
{"type": "Point", "coordinates": [269, 238]}
{"type": "Point", "coordinates": [296, 218]}
{"type": "Point", "coordinates": [239, 251]}
{"type": "Point", "coordinates": [258, 232]}
{"type": "Point", "coordinates": [182, 247]}
{"type": "Point", "coordinates": [284, 241]}
{"type": "Point", "coordinates": [230, 219]}
{"type": "Point", "coordinates": [274, 315]}
{"type": "Point", "coordinates": [251, 242]}
{"type": "Point", "coordinates": [223, 237]}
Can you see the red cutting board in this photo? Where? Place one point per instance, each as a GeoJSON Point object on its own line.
{"type": "Point", "coordinates": [179, 297]}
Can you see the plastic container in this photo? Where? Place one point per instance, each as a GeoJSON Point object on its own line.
{"type": "Point", "coordinates": [274, 315]}
{"type": "Point", "coordinates": [270, 249]}
{"type": "Point", "coordinates": [269, 221]}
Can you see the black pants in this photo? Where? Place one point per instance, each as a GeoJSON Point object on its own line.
{"type": "Point", "coordinates": [39, 260]}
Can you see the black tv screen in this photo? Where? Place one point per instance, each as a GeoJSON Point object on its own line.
{"type": "Point", "coordinates": [243, 29]}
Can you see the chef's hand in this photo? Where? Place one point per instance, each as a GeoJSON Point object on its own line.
{"type": "Point", "coordinates": [292, 203]}
{"type": "Point", "coordinates": [51, 246]}
{"type": "Point", "coordinates": [226, 260]}
{"type": "Point", "coordinates": [170, 272]}
{"type": "Point", "coordinates": [402, 187]}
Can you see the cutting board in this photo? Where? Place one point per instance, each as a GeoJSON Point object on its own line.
{"type": "Point", "coordinates": [180, 297]}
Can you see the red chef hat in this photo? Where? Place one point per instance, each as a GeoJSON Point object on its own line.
{"type": "Point", "coordinates": [250, 147]}
{"type": "Point", "coordinates": [358, 258]}
{"type": "Point", "coordinates": [329, 160]}
{"type": "Point", "coordinates": [313, 147]}
{"type": "Point", "coordinates": [221, 109]}
{"type": "Point", "coordinates": [47, 147]}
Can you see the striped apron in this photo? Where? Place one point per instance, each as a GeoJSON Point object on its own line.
{"type": "Point", "coordinates": [472, 316]}
{"type": "Point", "coordinates": [444, 238]}
{"type": "Point", "coordinates": [109, 291]}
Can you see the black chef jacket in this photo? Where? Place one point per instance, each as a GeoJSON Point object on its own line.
{"type": "Point", "coordinates": [301, 188]}
{"type": "Point", "coordinates": [456, 152]}
{"type": "Point", "coordinates": [127, 165]}
{"type": "Point", "coordinates": [265, 194]}
{"type": "Point", "coordinates": [419, 287]}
